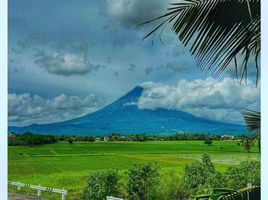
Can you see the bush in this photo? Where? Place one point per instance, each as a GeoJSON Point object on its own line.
{"type": "Point", "coordinates": [202, 176]}
{"type": "Point", "coordinates": [102, 184]}
{"type": "Point", "coordinates": [90, 139]}
{"type": "Point", "coordinates": [70, 140]}
{"type": "Point", "coordinates": [247, 144]}
{"type": "Point", "coordinates": [208, 141]}
{"type": "Point", "coordinates": [170, 187]}
{"type": "Point", "coordinates": [142, 178]}
{"type": "Point", "coordinates": [239, 175]}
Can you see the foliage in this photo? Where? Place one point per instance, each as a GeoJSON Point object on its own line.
{"type": "Point", "coordinates": [145, 137]}
{"type": "Point", "coordinates": [247, 144]}
{"type": "Point", "coordinates": [30, 139]}
{"type": "Point", "coordinates": [244, 194]}
{"type": "Point", "coordinates": [70, 140]}
{"type": "Point", "coordinates": [208, 141]}
{"type": "Point", "coordinates": [142, 178]}
{"type": "Point", "coordinates": [253, 120]}
{"type": "Point", "coordinates": [142, 137]}
{"type": "Point", "coordinates": [90, 138]}
{"type": "Point", "coordinates": [238, 176]}
{"type": "Point", "coordinates": [217, 32]}
{"type": "Point", "coordinates": [102, 184]}
{"type": "Point", "coordinates": [230, 194]}
{"type": "Point", "coordinates": [215, 194]}
{"type": "Point", "coordinates": [202, 176]}
{"type": "Point", "coordinates": [86, 138]}
{"type": "Point", "coordinates": [170, 187]}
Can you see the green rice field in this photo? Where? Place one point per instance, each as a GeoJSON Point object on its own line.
{"type": "Point", "coordinates": [63, 165]}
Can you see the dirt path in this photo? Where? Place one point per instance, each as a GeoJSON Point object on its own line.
{"type": "Point", "coordinates": [17, 196]}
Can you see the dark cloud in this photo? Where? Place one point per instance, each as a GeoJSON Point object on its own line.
{"type": "Point", "coordinates": [15, 66]}
{"type": "Point", "coordinates": [148, 70]}
{"type": "Point", "coordinates": [176, 67]}
{"type": "Point", "coordinates": [31, 40]}
{"type": "Point", "coordinates": [131, 67]}
{"type": "Point", "coordinates": [116, 74]}
{"type": "Point", "coordinates": [38, 41]}
{"type": "Point", "coordinates": [78, 45]}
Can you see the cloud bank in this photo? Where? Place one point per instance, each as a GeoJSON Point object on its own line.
{"type": "Point", "coordinates": [25, 109]}
{"type": "Point", "coordinates": [210, 98]}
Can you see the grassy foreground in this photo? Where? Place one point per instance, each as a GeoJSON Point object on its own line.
{"type": "Point", "coordinates": [63, 165]}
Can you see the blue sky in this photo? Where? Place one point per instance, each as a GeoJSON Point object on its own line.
{"type": "Point", "coordinates": [68, 58]}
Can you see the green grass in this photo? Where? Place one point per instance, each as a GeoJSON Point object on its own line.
{"type": "Point", "coordinates": [63, 165]}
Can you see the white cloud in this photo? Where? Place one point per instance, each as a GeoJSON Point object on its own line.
{"type": "Point", "coordinates": [210, 98]}
{"type": "Point", "coordinates": [65, 64]}
{"type": "Point", "coordinates": [134, 12]}
{"type": "Point", "coordinates": [24, 109]}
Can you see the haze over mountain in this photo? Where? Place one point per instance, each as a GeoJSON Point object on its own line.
{"type": "Point", "coordinates": [123, 116]}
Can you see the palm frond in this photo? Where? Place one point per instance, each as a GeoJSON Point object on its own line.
{"type": "Point", "coordinates": [216, 31]}
{"type": "Point", "coordinates": [253, 120]}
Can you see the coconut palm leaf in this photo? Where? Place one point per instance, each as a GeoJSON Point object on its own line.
{"type": "Point", "coordinates": [253, 120]}
{"type": "Point", "coordinates": [217, 31]}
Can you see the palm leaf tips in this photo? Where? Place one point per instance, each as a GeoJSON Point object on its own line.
{"type": "Point", "coordinates": [253, 120]}
{"type": "Point", "coordinates": [217, 31]}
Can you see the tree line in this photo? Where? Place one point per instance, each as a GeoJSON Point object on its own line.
{"type": "Point", "coordinates": [31, 139]}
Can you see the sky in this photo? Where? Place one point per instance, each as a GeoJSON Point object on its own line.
{"type": "Point", "coordinates": [70, 58]}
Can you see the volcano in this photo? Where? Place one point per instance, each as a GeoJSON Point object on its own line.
{"type": "Point", "coordinates": [124, 117]}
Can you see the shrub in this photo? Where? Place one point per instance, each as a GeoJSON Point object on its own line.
{"type": "Point", "coordinates": [208, 141]}
{"type": "Point", "coordinates": [170, 187]}
{"type": "Point", "coordinates": [70, 140]}
{"type": "Point", "coordinates": [202, 176]}
{"type": "Point", "coordinates": [102, 184]}
{"type": "Point", "coordinates": [90, 139]}
{"type": "Point", "coordinates": [142, 178]}
{"type": "Point", "coordinates": [247, 144]}
{"type": "Point", "coordinates": [246, 172]}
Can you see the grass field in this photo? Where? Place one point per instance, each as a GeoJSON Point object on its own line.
{"type": "Point", "coordinates": [63, 165]}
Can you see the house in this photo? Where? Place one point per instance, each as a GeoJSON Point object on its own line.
{"type": "Point", "coordinates": [227, 137]}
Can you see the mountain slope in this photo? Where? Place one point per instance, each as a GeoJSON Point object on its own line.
{"type": "Point", "coordinates": [124, 117]}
